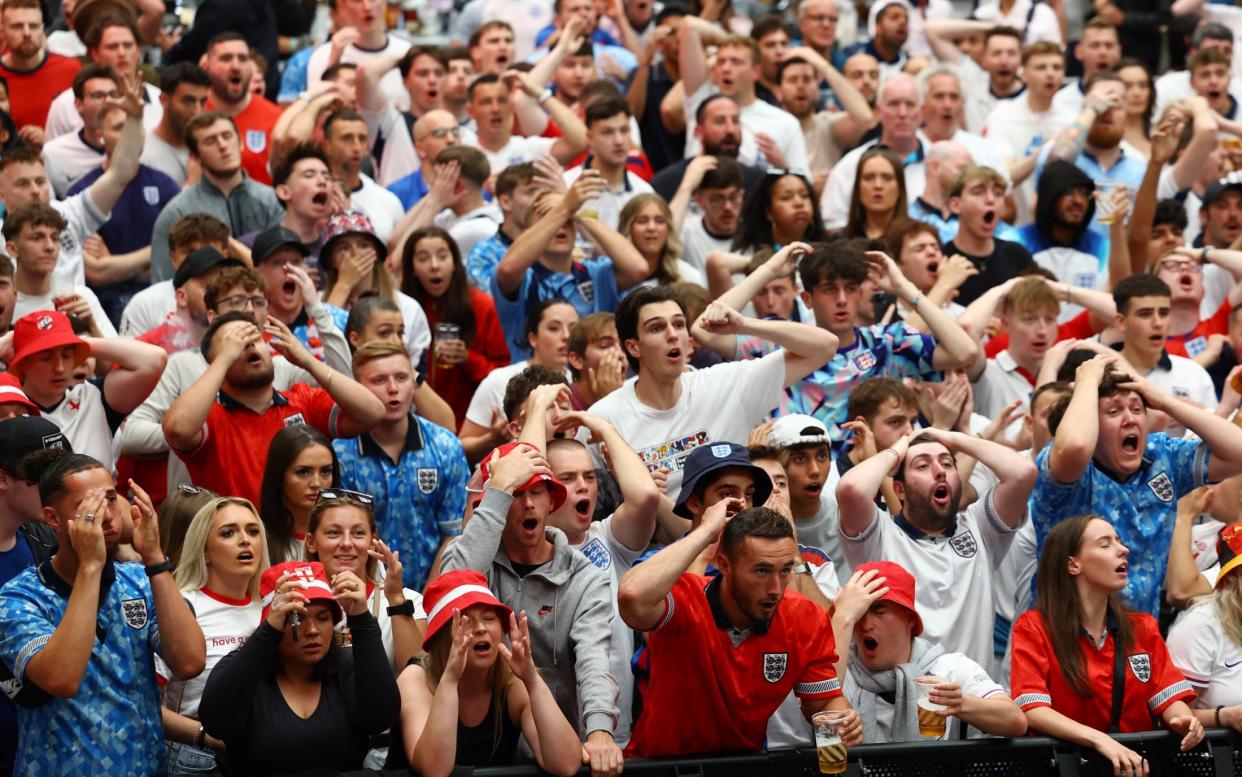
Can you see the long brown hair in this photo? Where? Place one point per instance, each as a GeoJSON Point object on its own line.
{"type": "Point", "coordinates": [1058, 603]}
{"type": "Point", "coordinates": [438, 649]}
{"type": "Point", "coordinates": [453, 306]}
{"type": "Point", "coordinates": [856, 226]}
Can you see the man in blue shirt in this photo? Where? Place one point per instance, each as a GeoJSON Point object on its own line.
{"type": "Point", "coordinates": [1102, 461]}
{"type": "Point", "coordinates": [415, 470]}
{"type": "Point", "coordinates": [84, 629]}
{"type": "Point", "coordinates": [540, 264]}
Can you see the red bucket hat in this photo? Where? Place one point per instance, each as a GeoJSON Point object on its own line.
{"type": "Point", "coordinates": [11, 391]}
{"type": "Point", "coordinates": [555, 488]}
{"type": "Point", "coordinates": [43, 330]}
{"type": "Point", "coordinates": [1228, 550]}
{"type": "Point", "coordinates": [310, 574]}
{"type": "Point", "coordinates": [900, 587]}
{"type": "Point", "coordinates": [458, 590]}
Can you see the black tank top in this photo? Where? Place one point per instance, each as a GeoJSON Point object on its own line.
{"type": "Point", "coordinates": [476, 745]}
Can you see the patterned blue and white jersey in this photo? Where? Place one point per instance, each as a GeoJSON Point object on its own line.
{"type": "Point", "coordinates": [1142, 508]}
{"type": "Point", "coordinates": [112, 725]}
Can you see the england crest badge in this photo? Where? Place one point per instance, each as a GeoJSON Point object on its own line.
{"type": "Point", "coordinates": [256, 141]}
{"type": "Point", "coordinates": [151, 194]}
{"type": "Point", "coordinates": [964, 545]}
{"type": "Point", "coordinates": [428, 479]}
{"type": "Point", "coordinates": [135, 612]}
{"type": "Point", "coordinates": [774, 666]}
{"type": "Point", "coordinates": [1140, 665]}
{"type": "Point", "coordinates": [1162, 487]}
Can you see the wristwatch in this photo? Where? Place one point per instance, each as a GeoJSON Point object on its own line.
{"type": "Point", "coordinates": [547, 95]}
{"type": "Point", "coordinates": [802, 569]}
{"type": "Point", "coordinates": [405, 608]}
{"type": "Point", "coordinates": [160, 568]}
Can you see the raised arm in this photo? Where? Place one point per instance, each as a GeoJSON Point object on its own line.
{"type": "Point", "coordinates": [1182, 580]}
{"type": "Point", "coordinates": [1164, 141]}
{"type": "Point", "coordinates": [1016, 472]}
{"type": "Point", "coordinates": [857, 489]}
{"type": "Point", "coordinates": [370, 70]}
{"type": "Point", "coordinates": [695, 34]}
{"type": "Point", "coordinates": [108, 188]}
{"type": "Point", "coordinates": [1069, 142]}
{"type": "Point", "coordinates": [628, 264]}
{"type": "Point", "coordinates": [136, 370]}
{"type": "Point", "coordinates": [569, 40]}
{"type": "Point", "coordinates": [690, 181]}
{"type": "Point", "coordinates": [645, 588]}
{"type": "Point", "coordinates": [1079, 431]}
{"type": "Point", "coordinates": [476, 547]}
{"type": "Point", "coordinates": [955, 347]}
{"type": "Point", "coordinates": [859, 117]}
{"type": "Point", "coordinates": [807, 348]}
{"type": "Point", "coordinates": [183, 424]}
{"type": "Point", "coordinates": [1202, 142]}
{"type": "Point", "coordinates": [529, 246]}
{"type": "Point", "coordinates": [634, 522]}
{"type": "Point", "coordinates": [940, 33]}
{"type": "Point", "coordinates": [1221, 437]}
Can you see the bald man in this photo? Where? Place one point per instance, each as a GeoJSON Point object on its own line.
{"type": "Point", "coordinates": [434, 131]}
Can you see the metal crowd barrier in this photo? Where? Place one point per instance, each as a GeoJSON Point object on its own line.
{"type": "Point", "coordinates": [1216, 756]}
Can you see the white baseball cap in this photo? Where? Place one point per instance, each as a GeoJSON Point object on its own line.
{"type": "Point", "coordinates": [797, 429]}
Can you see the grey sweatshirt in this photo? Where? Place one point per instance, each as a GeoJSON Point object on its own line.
{"type": "Point", "coordinates": [567, 606]}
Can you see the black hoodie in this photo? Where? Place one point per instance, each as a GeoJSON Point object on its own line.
{"type": "Point", "coordinates": [1058, 178]}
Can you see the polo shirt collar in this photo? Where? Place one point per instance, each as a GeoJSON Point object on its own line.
{"type": "Point", "coordinates": [1163, 363]}
{"type": "Point", "coordinates": [625, 179]}
{"type": "Point", "coordinates": [994, 93]}
{"type": "Point", "coordinates": [1111, 625]}
{"type": "Point", "coordinates": [229, 403]}
{"type": "Point", "coordinates": [87, 143]}
{"type": "Point", "coordinates": [63, 588]}
{"type": "Point", "coordinates": [931, 209]}
{"type": "Point", "coordinates": [916, 534]}
{"type": "Point", "coordinates": [367, 446]}
{"type": "Point", "coordinates": [712, 591]}
{"type": "Point", "coordinates": [302, 319]}
{"type": "Point", "coordinates": [1006, 362]}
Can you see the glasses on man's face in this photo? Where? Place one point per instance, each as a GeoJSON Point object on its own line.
{"type": "Point", "coordinates": [822, 18]}
{"type": "Point", "coordinates": [446, 132]}
{"type": "Point", "coordinates": [344, 493]}
{"type": "Point", "coordinates": [1183, 265]}
{"type": "Point", "coordinates": [241, 302]}
{"type": "Point", "coordinates": [718, 200]}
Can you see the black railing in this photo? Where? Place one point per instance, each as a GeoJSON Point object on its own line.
{"type": "Point", "coordinates": [1216, 756]}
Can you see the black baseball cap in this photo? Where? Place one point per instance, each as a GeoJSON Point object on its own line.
{"type": "Point", "coordinates": [1231, 182]}
{"type": "Point", "coordinates": [22, 435]}
{"type": "Point", "coordinates": [272, 240]}
{"type": "Point", "coordinates": [712, 456]}
{"type": "Point", "coordinates": [199, 262]}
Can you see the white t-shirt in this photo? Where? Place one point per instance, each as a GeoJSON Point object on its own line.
{"type": "Point", "coordinates": [382, 206]}
{"type": "Point", "coordinates": [472, 226]}
{"type": "Point", "coordinates": [999, 384]}
{"type": "Point", "coordinates": [377, 604]}
{"type": "Point", "coordinates": [1021, 132]}
{"type": "Point", "coordinates": [226, 624]}
{"type": "Point", "coordinates": [518, 150]}
{"type": "Point", "coordinates": [417, 330]}
{"type": "Point", "coordinates": [978, 98]}
{"type": "Point", "coordinates": [29, 303]}
{"type": "Point", "coordinates": [172, 162]}
{"type": "Point", "coordinates": [63, 118]}
{"type": "Point", "coordinates": [84, 422]}
{"type": "Point", "coordinates": [148, 308]}
{"type": "Point", "coordinates": [604, 550]}
{"type": "Point", "coordinates": [954, 667]}
{"type": "Point", "coordinates": [759, 116]}
{"type": "Point", "coordinates": [610, 202]}
{"type": "Point", "coordinates": [1211, 661]}
{"type": "Point", "coordinates": [1043, 24]}
{"type": "Point", "coordinates": [1077, 268]}
{"type": "Point", "coordinates": [697, 242]}
{"type": "Point", "coordinates": [956, 592]}
{"type": "Point", "coordinates": [719, 404]}
{"type": "Point", "coordinates": [820, 530]}
{"type": "Point", "coordinates": [489, 397]}
{"type": "Point", "coordinates": [1069, 98]}
{"type": "Point", "coordinates": [1184, 379]}
{"type": "Point", "coordinates": [68, 158]}
{"type": "Point", "coordinates": [391, 83]}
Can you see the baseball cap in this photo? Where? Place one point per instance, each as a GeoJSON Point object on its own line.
{"type": "Point", "coordinates": [878, 7]}
{"type": "Point", "coordinates": [708, 458]}
{"type": "Point", "coordinates": [349, 222]}
{"type": "Point", "coordinates": [23, 435]}
{"type": "Point", "coordinates": [1231, 182]}
{"type": "Point", "coordinates": [900, 587]}
{"type": "Point", "coordinates": [458, 590]}
{"type": "Point", "coordinates": [199, 262]}
{"type": "Point", "coordinates": [43, 330]}
{"type": "Point", "coordinates": [797, 429]}
{"type": "Point", "coordinates": [558, 492]}
{"type": "Point", "coordinates": [310, 574]}
{"type": "Point", "coordinates": [11, 391]}
{"type": "Point", "coordinates": [272, 240]}
{"type": "Point", "coordinates": [1228, 550]}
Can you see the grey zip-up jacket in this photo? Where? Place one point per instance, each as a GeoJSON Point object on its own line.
{"type": "Point", "coordinates": [567, 607]}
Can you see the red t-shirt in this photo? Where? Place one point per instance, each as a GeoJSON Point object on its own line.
{"type": "Point", "coordinates": [1077, 328]}
{"type": "Point", "coordinates": [457, 384]}
{"type": "Point", "coordinates": [707, 696]}
{"type": "Point", "coordinates": [255, 125]}
{"type": "Point", "coordinates": [233, 453]}
{"type": "Point", "coordinates": [1193, 342]}
{"type": "Point", "coordinates": [31, 91]}
{"type": "Point", "coordinates": [1152, 683]}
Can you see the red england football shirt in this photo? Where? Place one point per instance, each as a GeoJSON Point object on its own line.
{"type": "Point", "coordinates": [31, 91]}
{"type": "Point", "coordinates": [1152, 683]}
{"type": "Point", "coordinates": [255, 125]}
{"type": "Point", "coordinates": [707, 696]}
{"type": "Point", "coordinates": [1193, 342]}
{"type": "Point", "coordinates": [233, 453]}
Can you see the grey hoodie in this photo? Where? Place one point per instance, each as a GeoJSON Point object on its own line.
{"type": "Point", "coordinates": [567, 606]}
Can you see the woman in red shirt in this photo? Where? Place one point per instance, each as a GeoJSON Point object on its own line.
{"type": "Point", "coordinates": [433, 273]}
{"type": "Point", "coordinates": [1065, 664]}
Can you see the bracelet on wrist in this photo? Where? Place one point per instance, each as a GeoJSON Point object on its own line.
{"type": "Point", "coordinates": [1219, 707]}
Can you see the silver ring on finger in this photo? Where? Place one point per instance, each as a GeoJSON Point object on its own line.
{"type": "Point", "coordinates": [89, 517]}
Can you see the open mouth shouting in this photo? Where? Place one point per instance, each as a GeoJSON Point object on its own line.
{"type": "Point", "coordinates": [1131, 444]}
{"type": "Point", "coordinates": [869, 646]}
{"type": "Point", "coordinates": [1123, 569]}
{"type": "Point", "coordinates": [582, 509]}
{"type": "Point", "coordinates": [482, 648]}
{"type": "Point", "coordinates": [245, 557]}
{"type": "Point", "coordinates": [989, 219]}
{"type": "Point", "coordinates": [941, 494]}
{"type": "Point", "coordinates": [674, 356]}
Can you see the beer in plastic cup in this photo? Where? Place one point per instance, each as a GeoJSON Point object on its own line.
{"type": "Point", "coordinates": [1104, 208]}
{"type": "Point", "coordinates": [931, 724]}
{"type": "Point", "coordinates": [828, 742]}
{"type": "Point", "coordinates": [445, 331]}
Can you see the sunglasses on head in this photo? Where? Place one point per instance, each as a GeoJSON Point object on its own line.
{"type": "Point", "coordinates": [345, 493]}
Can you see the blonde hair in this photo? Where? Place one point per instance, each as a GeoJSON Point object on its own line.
{"type": "Point", "coordinates": [377, 349]}
{"type": "Point", "coordinates": [666, 271]}
{"type": "Point", "coordinates": [316, 517]}
{"type": "Point", "coordinates": [192, 574]}
{"type": "Point", "coordinates": [1227, 599]}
